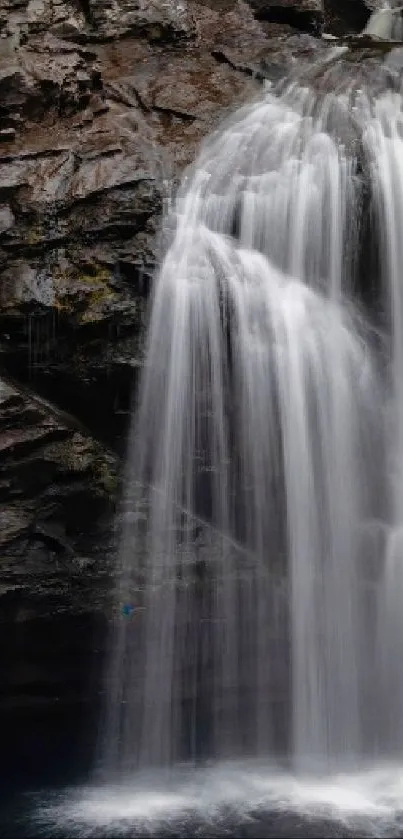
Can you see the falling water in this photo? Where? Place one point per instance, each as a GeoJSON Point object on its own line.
{"type": "Point", "coordinates": [261, 610]}
{"type": "Point", "coordinates": [386, 22]}
{"type": "Point", "coordinates": [384, 141]}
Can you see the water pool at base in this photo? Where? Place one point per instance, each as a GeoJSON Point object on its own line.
{"type": "Point", "coordinates": [248, 799]}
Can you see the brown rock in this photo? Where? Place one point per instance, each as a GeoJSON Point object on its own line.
{"type": "Point", "coordinates": [156, 19]}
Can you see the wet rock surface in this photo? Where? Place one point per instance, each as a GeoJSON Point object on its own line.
{"type": "Point", "coordinates": [102, 105]}
{"type": "Point", "coordinates": [58, 488]}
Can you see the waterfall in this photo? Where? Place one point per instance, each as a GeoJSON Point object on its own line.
{"type": "Point", "coordinates": [259, 587]}
{"type": "Point", "coordinates": [383, 138]}
{"type": "Point", "coordinates": [386, 22]}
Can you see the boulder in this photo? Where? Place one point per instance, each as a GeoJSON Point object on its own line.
{"type": "Point", "coordinates": [157, 19]}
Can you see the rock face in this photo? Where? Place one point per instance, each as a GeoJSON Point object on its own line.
{"type": "Point", "coordinates": [58, 488]}
{"type": "Point", "coordinates": [102, 105]}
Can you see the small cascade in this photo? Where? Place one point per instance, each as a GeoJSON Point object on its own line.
{"type": "Point", "coordinates": [386, 23]}
{"type": "Point", "coordinates": [259, 584]}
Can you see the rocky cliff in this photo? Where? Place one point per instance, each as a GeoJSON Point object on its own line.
{"type": "Point", "coordinates": [102, 105]}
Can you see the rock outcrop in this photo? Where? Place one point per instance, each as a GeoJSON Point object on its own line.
{"type": "Point", "coordinates": [58, 489]}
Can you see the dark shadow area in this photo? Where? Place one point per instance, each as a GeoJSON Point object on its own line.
{"type": "Point", "coordinates": [51, 674]}
{"type": "Point", "coordinates": [304, 21]}
{"type": "Point", "coordinates": [344, 17]}
{"type": "Point", "coordinates": [101, 408]}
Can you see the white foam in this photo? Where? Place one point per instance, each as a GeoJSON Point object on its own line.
{"type": "Point", "coordinates": [370, 800]}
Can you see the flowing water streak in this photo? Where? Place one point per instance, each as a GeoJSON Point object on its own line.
{"type": "Point", "coordinates": [383, 140]}
{"type": "Point", "coordinates": [257, 414]}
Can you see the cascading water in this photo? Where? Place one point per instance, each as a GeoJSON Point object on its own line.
{"type": "Point", "coordinates": [386, 22]}
{"type": "Point", "coordinates": [257, 484]}
{"type": "Point", "coordinates": [383, 139]}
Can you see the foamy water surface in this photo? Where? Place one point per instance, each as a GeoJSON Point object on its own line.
{"type": "Point", "coordinates": [245, 799]}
